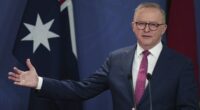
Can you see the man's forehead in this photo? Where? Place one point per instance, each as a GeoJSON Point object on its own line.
{"type": "Point", "coordinates": [148, 13]}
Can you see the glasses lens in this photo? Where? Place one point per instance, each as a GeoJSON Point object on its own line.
{"type": "Point", "coordinates": [153, 26]}
{"type": "Point", "coordinates": [140, 25]}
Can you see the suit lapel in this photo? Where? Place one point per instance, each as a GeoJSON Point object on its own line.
{"type": "Point", "coordinates": [157, 72]}
{"type": "Point", "coordinates": [127, 62]}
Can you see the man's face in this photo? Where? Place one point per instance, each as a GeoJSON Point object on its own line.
{"type": "Point", "coordinates": [145, 26]}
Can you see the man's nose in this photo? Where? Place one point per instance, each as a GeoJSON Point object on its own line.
{"type": "Point", "coordinates": [146, 29]}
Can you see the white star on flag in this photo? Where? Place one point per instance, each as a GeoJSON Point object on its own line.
{"type": "Point", "coordinates": [40, 33]}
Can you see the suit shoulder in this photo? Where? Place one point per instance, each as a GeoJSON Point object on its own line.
{"type": "Point", "coordinates": [179, 56]}
{"type": "Point", "coordinates": [123, 50]}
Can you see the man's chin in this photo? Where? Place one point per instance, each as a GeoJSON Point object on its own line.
{"type": "Point", "coordinates": [147, 45]}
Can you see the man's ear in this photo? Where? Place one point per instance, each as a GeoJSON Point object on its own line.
{"type": "Point", "coordinates": [164, 29]}
{"type": "Point", "coordinates": [132, 25]}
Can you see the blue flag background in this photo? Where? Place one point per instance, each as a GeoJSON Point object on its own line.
{"type": "Point", "coordinates": [101, 26]}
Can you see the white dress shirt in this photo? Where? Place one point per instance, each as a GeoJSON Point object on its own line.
{"type": "Point", "coordinates": [152, 59]}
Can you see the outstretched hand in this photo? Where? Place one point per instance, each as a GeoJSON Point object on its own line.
{"type": "Point", "coordinates": [24, 78]}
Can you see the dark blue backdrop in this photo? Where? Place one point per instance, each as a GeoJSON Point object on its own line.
{"type": "Point", "coordinates": [11, 97]}
{"type": "Point", "coordinates": [101, 26]}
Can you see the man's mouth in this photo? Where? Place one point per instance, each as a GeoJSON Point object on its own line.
{"type": "Point", "coordinates": [146, 36]}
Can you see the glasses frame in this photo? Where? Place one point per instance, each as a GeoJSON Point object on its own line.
{"type": "Point", "coordinates": [151, 26]}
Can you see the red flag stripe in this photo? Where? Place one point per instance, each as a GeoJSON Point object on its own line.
{"type": "Point", "coordinates": [62, 1]}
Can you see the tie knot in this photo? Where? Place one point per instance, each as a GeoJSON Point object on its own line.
{"type": "Point", "coordinates": [145, 52]}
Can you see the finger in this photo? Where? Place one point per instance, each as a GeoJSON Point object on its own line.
{"type": "Point", "coordinates": [14, 74]}
{"type": "Point", "coordinates": [17, 71]}
{"type": "Point", "coordinates": [29, 64]}
{"type": "Point", "coordinates": [21, 82]}
{"type": "Point", "coordinates": [18, 83]}
{"type": "Point", "coordinates": [14, 79]}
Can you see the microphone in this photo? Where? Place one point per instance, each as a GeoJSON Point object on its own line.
{"type": "Point", "coordinates": [149, 76]}
{"type": "Point", "coordinates": [130, 79]}
{"type": "Point", "coordinates": [129, 76]}
{"type": "Point", "coordinates": [131, 82]}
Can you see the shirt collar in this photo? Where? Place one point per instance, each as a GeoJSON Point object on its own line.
{"type": "Point", "coordinates": [155, 51]}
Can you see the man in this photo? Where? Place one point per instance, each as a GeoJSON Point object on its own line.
{"type": "Point", "coordinates": [171, 86]}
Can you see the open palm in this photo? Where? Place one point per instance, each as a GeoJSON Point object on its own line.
{"type": "Point", "coordinates": [24, 78]}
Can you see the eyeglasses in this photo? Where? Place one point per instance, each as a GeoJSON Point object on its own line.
{"type": "Point", "coordinates": [151, 26]}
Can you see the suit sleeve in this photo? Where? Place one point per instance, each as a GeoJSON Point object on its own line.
{"type": "Point", "coordinates": [74, 90]}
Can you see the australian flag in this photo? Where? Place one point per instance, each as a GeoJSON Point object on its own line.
{"type": "Point", "coordinates": [47, 36]}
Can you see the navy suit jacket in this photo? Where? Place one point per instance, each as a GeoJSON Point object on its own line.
{"type": "Point", "coordinates": [173, 85]}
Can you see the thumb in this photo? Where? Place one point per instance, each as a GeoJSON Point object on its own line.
{"type": "Point", "coordinates": [29, 64]}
